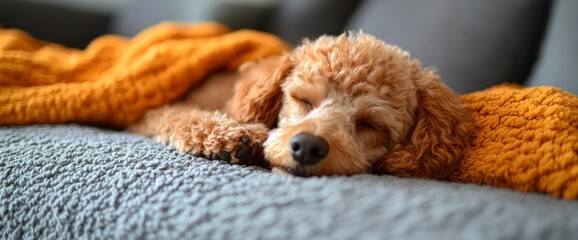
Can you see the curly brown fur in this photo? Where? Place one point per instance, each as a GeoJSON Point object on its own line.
{"type": "Point", "coordinates": [367, 106]}
{"type": "Point", "coordinates": [196, 126]}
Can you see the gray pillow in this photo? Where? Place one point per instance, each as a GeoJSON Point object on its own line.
{"type": "Point", "coordinates": [474, 44]}
{"type": "Point", "coordinates": [236, 14]}
{"type": "Point", "coordinates": [295, 20]}
{"type": "Point", "coordinates": [558, 61]}
{"type": "Point", "coordinates": [54, 21]}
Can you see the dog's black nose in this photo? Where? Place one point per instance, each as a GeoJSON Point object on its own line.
{"type": "Point", "coordinates": [308, 149]}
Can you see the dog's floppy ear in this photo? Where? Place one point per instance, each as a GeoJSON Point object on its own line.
{"type": "Point", "coordinates": [257, 96]}
{"type": "Point", "coordinates": [441, 133]}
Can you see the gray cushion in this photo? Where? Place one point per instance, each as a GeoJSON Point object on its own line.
{"type": "Point", "coordinates": [558, 61]}
{"type": "Point", "coordinates": [294, 20]}
{"type": "Point", "coordinates": [78, 182]}
{"type": "Point", "coordinates": [237, 14]}
{"type": "Point", "coordinates": [52, 21]}
{"type": "Point", "coordinates": [474, 44]}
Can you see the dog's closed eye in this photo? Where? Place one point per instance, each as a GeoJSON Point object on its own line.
{"type": "Point", "coordinates": [306, 103]}
{"type": "Point", "coordinates": [371, 132]}
{"type": "Point", "coordinates": [303, 102]}
{"type": "Point", "coordinates": [365, 125]}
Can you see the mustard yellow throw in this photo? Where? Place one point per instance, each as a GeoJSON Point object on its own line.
{"type": "Point", "coordinates": [526, 139]}
{"type": "Point", "coordinates": [115, 80]}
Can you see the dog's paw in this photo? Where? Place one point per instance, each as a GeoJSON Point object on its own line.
{"type": "Point", "coordinates": [243, 153]}
{"type": "Point", "coordinates": [231, 142]}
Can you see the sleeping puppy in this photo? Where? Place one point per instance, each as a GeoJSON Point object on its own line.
{"type": "Point", "coordinates": [339, 105]}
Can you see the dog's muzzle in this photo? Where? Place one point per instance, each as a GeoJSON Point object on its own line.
{"type": "Point", "coordinates": [308, 149]}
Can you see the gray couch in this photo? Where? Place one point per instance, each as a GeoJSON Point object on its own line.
{"type": "Point", "coordinates": [81, 182]}
{"type": "Point", "coordinates": [474, 44]}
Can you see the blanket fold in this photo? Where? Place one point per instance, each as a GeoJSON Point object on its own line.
{"type": "Point", "coordinates": [526, 139]}
{"type": "Point", "coordinates": [115, 80]}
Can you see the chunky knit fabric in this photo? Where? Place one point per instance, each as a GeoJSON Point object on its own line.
{"type": "Point", "coordinates": [526, 139]}
{"type": "Point", "coordinates": [115, 80]}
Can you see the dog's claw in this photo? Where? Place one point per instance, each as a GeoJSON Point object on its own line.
{"type": "Point", "coordinates": [215, 156]}
{"type": "Point", "coordinates": [244, 140]}
{"type": "Point", "coordinates": [243, 152]}
{"type": "Point", "coordinates": [225, 156]}
{"type": "Point", "coordinates": [255, 149]}
{"type": "Point", "coordinates": [197, 155]}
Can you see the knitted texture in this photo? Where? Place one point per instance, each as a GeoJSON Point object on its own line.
{"type": "Point", "coordinates": [526, 139]}
{"type": "Point", "coordinates": [115, 80]}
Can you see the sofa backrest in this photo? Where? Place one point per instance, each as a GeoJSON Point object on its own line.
{"type": "Point", "coordinates": [557, 63]}
{"type": "Point", "coordinates": [473, 44]}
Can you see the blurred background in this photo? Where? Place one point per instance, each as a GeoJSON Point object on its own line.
{"type": "Point", "coordinates": [474, 44]}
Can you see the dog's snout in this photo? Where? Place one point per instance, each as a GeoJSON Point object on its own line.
{"type": "Point", "coordinates": [308, 149]}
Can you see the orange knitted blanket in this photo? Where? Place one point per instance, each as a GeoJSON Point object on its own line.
{"type": "Point", "coordinates": [115, 80]}
{"type": "Point", "coordinates": [526, 139]}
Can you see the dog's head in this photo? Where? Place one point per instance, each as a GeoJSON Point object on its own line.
{"type": "Point", "coordinates": [353, 104]}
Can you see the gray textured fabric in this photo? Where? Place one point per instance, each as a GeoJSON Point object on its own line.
{"type": "Point", "coordinates": [558, 61]}
{"type": "Point", "coordinates": [72, 182]}
{"type": "Point", "coordinates": [474, 44]}
{"type": "Point", "coordinates": [236, 14]}
{"type": "Point", "coordinates": [54, 21]}
{"type": "Point", "coordinates": [294, 20]}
